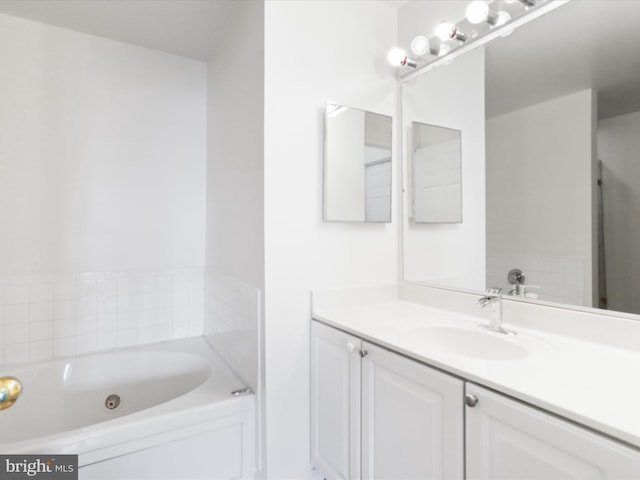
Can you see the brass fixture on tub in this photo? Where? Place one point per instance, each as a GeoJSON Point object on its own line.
{"type": "Point", "coordinates": [10, 389]}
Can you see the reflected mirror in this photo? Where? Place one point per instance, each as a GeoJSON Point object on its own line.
{"type": "Point", "coordinates": [357, 165]}
{"type": "Point", "coordinates": [562, 124]}
{"type": "Point", "coordinates": [436, 173]}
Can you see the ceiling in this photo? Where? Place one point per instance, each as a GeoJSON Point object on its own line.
{"type": "Point", "coordinates": [190, 28]}
{"type": "Point", "coordinates": [583, 44]}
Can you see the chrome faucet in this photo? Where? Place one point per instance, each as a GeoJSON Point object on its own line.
{"type": "Point", "coordinates": [493, 297]}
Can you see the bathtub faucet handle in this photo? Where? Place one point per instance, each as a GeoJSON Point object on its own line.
{"type": "Point", "coordinates": [10, 389]}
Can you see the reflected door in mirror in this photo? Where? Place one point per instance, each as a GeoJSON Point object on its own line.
{"type": "Point", "coordinates": [437, 174]}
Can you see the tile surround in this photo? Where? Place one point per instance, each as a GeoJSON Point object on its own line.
{"type": "Point", "coordinates": [560, 280]}
{"type": "Point", "coordinates": [48, 316]}
{"type": "Point", "coordinates": [232, 311]}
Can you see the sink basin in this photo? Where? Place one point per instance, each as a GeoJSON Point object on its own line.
{"type": "Point", "coordinates": [476, 343]}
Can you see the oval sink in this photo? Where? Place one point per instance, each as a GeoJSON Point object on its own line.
{"type": "Point", "coordinates": [468, 342]}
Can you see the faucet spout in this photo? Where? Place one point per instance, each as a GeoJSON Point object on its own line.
{"type": "Point", "coordinates": [493, 297]}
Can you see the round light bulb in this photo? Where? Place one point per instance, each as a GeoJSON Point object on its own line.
{"type": "Point", "coordinates": [420, 45]}
{"type": "Point", "coordinates": [397, 57]}
{"type": "Point", "coordinates": [445, 30]}
{"type": "Point", "coordinates": [477, 11]}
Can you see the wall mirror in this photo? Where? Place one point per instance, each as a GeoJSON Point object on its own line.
{"type": "Point", "coordinates": [357, 165]}
{"type": "Point", "coordinates": [436, 172]}
{"type": "Point", "coordinates": [561, 120]}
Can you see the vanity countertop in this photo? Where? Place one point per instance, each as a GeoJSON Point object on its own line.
{"type": "Point", "coordinates": [594, 384]}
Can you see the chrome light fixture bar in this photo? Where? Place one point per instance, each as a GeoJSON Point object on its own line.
{"type": "Point", "coordinates": [486, 23]}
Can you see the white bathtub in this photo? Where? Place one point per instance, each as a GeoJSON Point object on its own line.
{"type": "Point", "coordinates": [177, 417]}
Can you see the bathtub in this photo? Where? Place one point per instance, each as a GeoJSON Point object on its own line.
{"type": "Point", "coordinates": [159, 411]}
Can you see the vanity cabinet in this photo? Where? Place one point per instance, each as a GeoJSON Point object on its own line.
{"type": "Point", "coordinates": [506, 439]}
{"type": "Point", "coordinates": [377, 414]}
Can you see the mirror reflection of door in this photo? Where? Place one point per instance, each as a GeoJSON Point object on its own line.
{"type": "Point", "coordinates": [377, 191]}
{"type": "Point", "coordinates": [437, 174]}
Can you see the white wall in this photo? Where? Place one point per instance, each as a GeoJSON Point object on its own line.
{"type": "Point", "coordinates": [315, 51]}
{"type": "Point", "coordinates": [102, 153]}
{"type": "Point", "coordinates": [539, 197]}
{"type": "Point", "coordinates": [451, 96]}
{"type": "Point", "coordinates": [618, 147]}
{"type": "Point", "coordinates": [102, 193]}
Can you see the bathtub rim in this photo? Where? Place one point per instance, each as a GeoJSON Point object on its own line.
{"type": "Point", "coordinates": [209, 401]}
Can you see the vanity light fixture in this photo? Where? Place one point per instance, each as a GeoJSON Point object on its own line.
{"type": "Point", "coordinates": [448, 31]}
{"type": "Point", "coordinates": [397, 57]}
{"type": "Point", "coordinates": [494, 18]}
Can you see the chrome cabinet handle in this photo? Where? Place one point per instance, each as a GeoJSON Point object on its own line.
{"type": "Point", "coordinates": [470, 400]}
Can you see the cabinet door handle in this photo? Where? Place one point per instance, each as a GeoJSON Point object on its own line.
{"type": "Point", "coordinates": [470, 400]}
{"type": "Point", "coordinates": [351, 347]}
{"type": "Point", "coordinates": [363, 353]}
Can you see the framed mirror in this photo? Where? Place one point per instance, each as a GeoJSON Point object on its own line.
{"type": "Point", "coordinates": [561, 118]}
{"type": "Point", "coordinates": [357, 165]}
{"type": "Point", "coordinates": [436, 173]}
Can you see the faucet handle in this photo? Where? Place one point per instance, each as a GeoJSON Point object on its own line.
{"type": "Point", "coordinates": [490, 295]}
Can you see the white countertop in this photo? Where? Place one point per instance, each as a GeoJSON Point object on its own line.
{"type": "Point", "coordinates": [596, 385]}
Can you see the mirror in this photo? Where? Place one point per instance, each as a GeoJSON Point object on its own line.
{"type": "Point", "coordinates": [357, 165]}
{"type": "Point", "coordinates": [562, 116]}
{"type": "Point", "coordinates": [436, 170]}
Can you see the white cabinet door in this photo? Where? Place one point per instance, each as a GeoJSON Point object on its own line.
{"type": "Point", "coordinates": [335, 402]}
{"type": "Point", "coordinates": [412, 419]}
{"type": "Point", "coordinates": [506, 439]}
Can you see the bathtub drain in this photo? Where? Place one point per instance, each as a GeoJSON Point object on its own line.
{"type": "Point", "coordinates": [112, 401]}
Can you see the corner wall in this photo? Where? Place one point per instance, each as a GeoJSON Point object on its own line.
{"type": "Point", "coordinates": [539, 209]}
{"type": "Point", "coordinates": [316, 51]}
{"type": "Point", "coordinates": [102, 193]}
{"type": "Point", "coordinates": [234, 276]}
{"type": "Point", "coordinates": [103, 153]}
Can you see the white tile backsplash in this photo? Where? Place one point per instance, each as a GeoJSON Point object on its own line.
{"type": "Point", "coordinates": [15, 294]}
{"type": "Point", "coordinates": [232, 323]}
{"type": "Point", "coordinates": [64, 290]}
{"type": "Point", "coordinates": [18, 313]}
{"type": "Point", "coordinates": [16, 352]}
{"type": "Point", "coordinates": [559, 279]}
{"type": "Point", "coordinates": [64, 347]}
{"type": "Point", "coordinates": [49, 315]}
{"type": "Point", "coordinates": [42, 292]}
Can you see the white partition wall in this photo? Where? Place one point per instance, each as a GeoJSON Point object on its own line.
{"type": "Point", "coordinates": [315, 51]}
